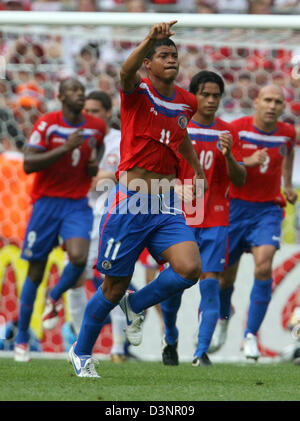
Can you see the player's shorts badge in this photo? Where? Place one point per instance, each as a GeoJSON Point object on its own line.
{"type": "Point", "coordinates": [28, 253]}
{"type": "Point", "coordinates": [283, 150]}
{"type": "Point", "coordinates": [106, 264]}
{"type": "Point", "coordinates": [182, 121]}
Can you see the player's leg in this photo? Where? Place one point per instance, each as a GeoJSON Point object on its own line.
{"type": "Point", "coordinates": [77, 249]}
{"type": "Point", "coordinates": [28, 295]}
{"type": "Point", "coordinates": [40, 238]}
{"type": "Point", "coordinates": [237, 230]}
{"type": "Point", "coordinates": [212, 244]}
{"type": "Point", "coordinates": [169, 308]}
{"type": "Point", "coordinates": [260, 297]}
{"type": "Point", "coordinates": [265, 240]}
{"type": "Point", "coordinates": [226, 281]}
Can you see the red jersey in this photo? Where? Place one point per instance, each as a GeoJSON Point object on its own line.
{"type": "Point", "coordinates": [67, 177]}
{"type": "Point", "coordinates": [205, 140]}
{"type": "Point", "coordinates": [263, 182]}
{"type": "Point", "coordinates": [153, 127]}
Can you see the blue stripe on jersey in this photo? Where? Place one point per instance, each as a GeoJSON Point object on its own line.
{"type": "Point", "coordinates": [265, 144]}
{"type": "Point", "coordinates": [66, 135]}
{"type": "Point", "coordinates": [203, 137]}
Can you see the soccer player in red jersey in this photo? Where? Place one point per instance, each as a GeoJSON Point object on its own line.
{"type": "Point", "coordinates": [256, 210]}
{"type": "Point", "coordinates": [218, 147]}
{"type": "Point", "coordinates": [63, 150]}
{"type": "Point", "coordinates": [141, 212]}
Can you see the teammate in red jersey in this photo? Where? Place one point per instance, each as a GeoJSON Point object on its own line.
{"type": "Point", "coordinates": [154, 117]}
{"type": "Point", "coordinates": [256, 210]}
{"type": "Point", "coordinates": [63, 150]}
{"type": "Point", "coordinates": [218, 147]}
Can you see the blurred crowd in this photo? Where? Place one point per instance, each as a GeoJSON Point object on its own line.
{"type": "Point", "coordinates": [36, 60]}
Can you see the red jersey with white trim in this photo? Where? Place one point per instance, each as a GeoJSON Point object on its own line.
{"type": "Point", "coordinates": [67, 177]}
{"type": "Point", "coordinates": [263, 182]}
{"type": "Point", "coordinates": [205, 140]}
{"type": "Point", "coordinates": [153, 127]}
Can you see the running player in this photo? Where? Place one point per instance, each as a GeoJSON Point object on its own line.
{"type": "Point", "coordinates": [218, 148]}
{"type": "Point", "coordinates": [141, 212]}
{"type": "Point", "coordinates": [63, 150]}
{"type": "Point", "coordinates": [256, 210]}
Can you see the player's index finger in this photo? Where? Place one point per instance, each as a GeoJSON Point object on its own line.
{"type": "Point", "coordinates": [173, 22]}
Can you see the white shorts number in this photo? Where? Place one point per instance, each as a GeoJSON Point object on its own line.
{"type": "Point", "coordinates": [110, 244]}
{"type": "Point", "coordinates": [31, 237]}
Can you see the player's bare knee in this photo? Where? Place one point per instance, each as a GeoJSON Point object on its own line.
{"type": "Point", "coordinates": [189, 270]}
{"type": "Point", "coordinates": [263, 270]}
{"type": "Point", "coordinates": [78, 258]}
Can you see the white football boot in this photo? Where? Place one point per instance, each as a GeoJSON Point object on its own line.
{"type": "Point", "coordinates": [250, 347]}
{"type": "Point", "coordinates": [134, 321]}
{"type": "Point", "coordinates": [219, 336]}
{"type": "Point", "coordinates": [21, 353]}
{"type": "Point", "coordinates": [84, 365]}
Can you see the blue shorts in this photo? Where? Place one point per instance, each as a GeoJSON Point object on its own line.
{"type": "Point", "coordinates": [213, 247]}
{"type": "Point", "coordinates": [54, 217]}
{"type": "Point", "coordinates": [133, 221]}
{"type": "Point", "coordinates": [252, 224]}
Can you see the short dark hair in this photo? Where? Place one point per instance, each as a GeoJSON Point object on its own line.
{"type": "Point", "coordinates": [203, 77]}
{"type": "Point", "coordinates": [165, 41]}
{"type": "Point", "coordinates": [102, 97]}
{"type": "Point", "coordinates": [63, 84]}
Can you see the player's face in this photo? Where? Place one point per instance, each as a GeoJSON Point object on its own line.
{"type": "Point", "coordinates": [208, 96]}
{"type": "Point", "coordinates": [73, 96]}
{"type": "Point", "coordinates": [96, 109]}
{"type": "Point", "coordinates": [269, 106]}
{"type": "Point", "coordinates": [164, 63]}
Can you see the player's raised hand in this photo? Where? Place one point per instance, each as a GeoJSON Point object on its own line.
{"type": "Point", "coordinates": [74, 140]}
{"type": "Point", "coordinates": [162, 30]}
{"type": "Point", "coordinates": [225, 143]}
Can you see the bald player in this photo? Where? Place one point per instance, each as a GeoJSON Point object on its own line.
{"type": "Point", "coordinates": [256, 210]}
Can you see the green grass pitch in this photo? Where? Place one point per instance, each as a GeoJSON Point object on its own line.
{"type": "Point", "coordinates": [55, 380]}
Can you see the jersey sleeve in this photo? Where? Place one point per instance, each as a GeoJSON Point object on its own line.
{"type": "Point", "coordinates": [292, 141]}
{"type": "Point", "coordinates": [38, 138]}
